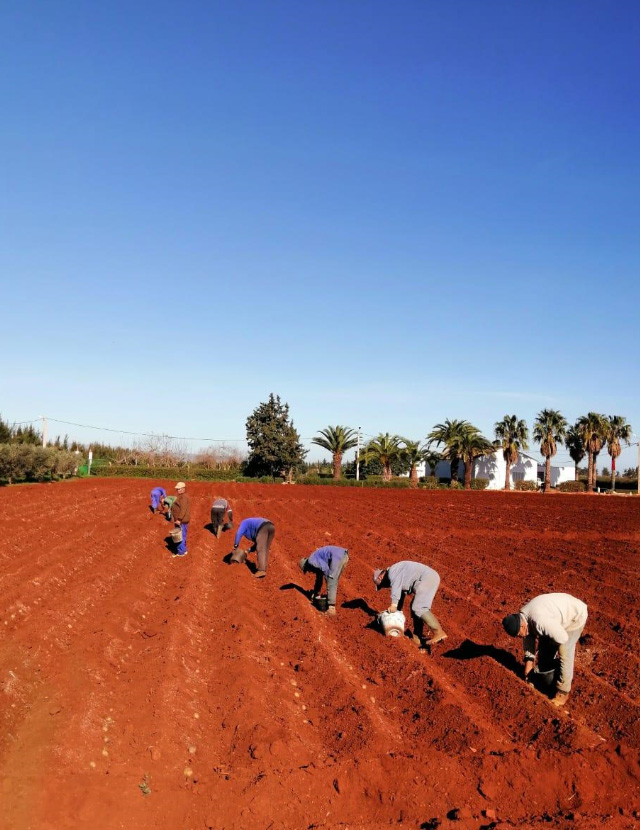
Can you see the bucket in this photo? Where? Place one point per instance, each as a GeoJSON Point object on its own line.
{"type": "Point", "coordinates": [176, 535]}
{"type": "Point", "coordinates": [392, 624]}
{"type": "Point", "coordinates": [238, 557]}
{"type": "Point", "coordinates": [321, 603]}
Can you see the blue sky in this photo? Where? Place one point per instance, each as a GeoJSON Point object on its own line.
{"type": "Point", "coordinates": [389, 214]}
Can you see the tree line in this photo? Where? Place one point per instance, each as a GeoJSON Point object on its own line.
{"type": "Point", "coordinates": [276, 448]}
{"type": "Point", "coordinates": [459, 441]}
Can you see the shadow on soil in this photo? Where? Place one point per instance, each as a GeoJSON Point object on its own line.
{"type": "Point", "coordinates": [362, 605]}
{"type": "Point", "coordinates": [291, 586]}
{"type": "Point", "coordinates": [468, 650]}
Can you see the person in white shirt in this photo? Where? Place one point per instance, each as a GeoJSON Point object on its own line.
{"type": "Point", "coordinates": [556, 621]}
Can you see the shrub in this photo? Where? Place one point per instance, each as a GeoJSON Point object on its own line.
{"type": "Point", "coordinates": [26, 462]}
{"type": "Point", "coordinates": [526, 485]}
{"type": "Point", "coordinates": [479, 483]}
{"type": "Point", "coordinates": [188, 472]}
{"type": "Point", "coordinates": [572, 487]}
{"type": "Point", "coordinates": [430, 483]}
{"type": "Point", "coordinates": [455, 485]}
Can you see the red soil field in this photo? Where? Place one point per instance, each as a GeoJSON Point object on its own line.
{"type": "Point", "coordinates": [141, 691]}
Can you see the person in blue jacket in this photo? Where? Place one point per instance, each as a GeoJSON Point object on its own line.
{"type": "Point", "coordinates": [157, 498]}
{"type": "Point", "coordinates": [260, 532]}
{"type": "Point", "coordinates": [326, 563]}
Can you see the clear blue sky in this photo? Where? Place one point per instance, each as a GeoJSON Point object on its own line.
{"type": "Point", "coordinates": [388, 213]}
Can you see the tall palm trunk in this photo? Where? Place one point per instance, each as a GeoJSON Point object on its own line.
{"type": "Point", "coordinates": [337, 465]}
{"type": "Point", "coordinates": [613, 473]}
{"type": "Point", "coordinates": [386, 472]}
{"type": "Point", "coordinates": [414, 475]}
{"type": "Point", "coordinates": [577, 473]}
{"type": "Point", "coordinates": [454, 461]}
{"type": "Point", "coordinates": [590, 470]}
{"type": "Point", "coordinates": [547, 474]}
{"type": "Point", "coordinates": [507, 476]}
{"type": "Point", "coordinates": [595, 469]}
{"type": "Point", "coordinates": [468, 470]}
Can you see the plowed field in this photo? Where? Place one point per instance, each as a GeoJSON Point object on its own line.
{"type": "Point", "coordinates": [141, 691]}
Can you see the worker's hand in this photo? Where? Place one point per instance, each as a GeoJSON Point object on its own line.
{"type": "Point", "coordinates": [528, 668]}
{"type": "Point", "coordinates": [312, 596]}
{"type": "Point", "coordinates": [392, 608]}
{"type": "Point", "coordinates": [177, 524]}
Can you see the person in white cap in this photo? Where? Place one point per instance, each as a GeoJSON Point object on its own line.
{"type": "Point", "coordinates": [420, 580]}
{"type": "Point", "coordinates": [555, 622]}
{"type": "Point", "coordinates": [181, 513]}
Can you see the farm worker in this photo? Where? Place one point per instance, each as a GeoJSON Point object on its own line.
{"type": "Point", "coordinates": [261, 533]}
{"type": "Point", "coordinates": [556, 621]}
{"type": "Point", "coordinates": [328, 563]}
{"type": "Point", "coordinates": [218, 509]}
{"type": "Point", "coordinates": [167, 506]}
{"type": "Point", "coordinates": [157, 498]}
{"type": "Point", "coordinates": [422, 581]}
{"type": "Point", "coordinates": [181, 513]}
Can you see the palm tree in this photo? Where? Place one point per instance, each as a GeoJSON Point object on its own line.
{"type": "Point", "coordinates": [337, 440]}
{"type": "Point", "coordinates": [617, 430]}
{"type": "Point", "coordinates": [447, 435]}
{"type": "Point", "coordinates": [592, 429]}
{"type": "Point", "coordinates": [549, 430]}
{"type": "Point", "coordinates": [573, 442]}
{"type": "Point", "coordinates": [512, 435]}
{"type": "Point", "coordinates": [386, 449]}
{"type": "Point", "coordinates": [471, 445]}
{"type": "Point", "coordinates": [432, 458]}
{"type": "Point", "coordinates": [413, 454]}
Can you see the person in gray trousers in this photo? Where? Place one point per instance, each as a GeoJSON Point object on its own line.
{"type": "Point", "coordinates": [420, 580]}
{"type": "Point", "coordinates": [553, 622]}
{"type": "Point", "coordinates": [327, 563]}
{"type": "Point", "coordinates": [219, 507]}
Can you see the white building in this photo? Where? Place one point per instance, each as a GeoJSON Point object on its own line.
{"type": "Point", "coordinates": [566, 472]}
{"type": "Point", "coordinates": [494, 468]}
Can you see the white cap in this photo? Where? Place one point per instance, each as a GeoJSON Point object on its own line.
{"type": "Point", "coordinates": [181, 485]}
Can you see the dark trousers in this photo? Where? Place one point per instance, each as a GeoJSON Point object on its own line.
{"type": "Point", "coordinates": [217, 519]}
{"type": "Point", "coordinates": [264, 538]}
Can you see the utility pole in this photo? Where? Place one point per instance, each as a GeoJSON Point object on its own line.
{"type": "Point", "coordinates": [44, 431]}
{"type": "Point", "coordinates": [358, 458]}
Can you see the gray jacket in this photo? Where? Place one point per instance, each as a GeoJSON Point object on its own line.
{"type": "Point", "coordinates": [406, 578]}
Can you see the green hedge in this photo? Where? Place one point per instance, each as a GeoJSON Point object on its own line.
{"type": "Point", "coordinates": [430, 483]}
{"type": "Point", "coordinates": [189, 473]}
{"type": "Point", "coordinates": [528, 486]}
{"type": "Point", "coordinates": [370, 481]}
{"type": "Point", "coordinates": [479, 483]}
{"type": "Point", "coordinates": [572, 487]}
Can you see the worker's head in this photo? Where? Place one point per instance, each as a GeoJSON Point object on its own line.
{"type": "Point", "coordinates": [181, 487]}
{"type": "Point", "coordinates": [302, 564]}
{"type": "Point", "coordinates": [515, 625]}
{"type": "Point", "coordinates": [379, 577]}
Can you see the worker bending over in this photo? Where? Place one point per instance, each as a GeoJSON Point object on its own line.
{"type": "Point", "coordinates": [420, 580]}
{"type": "Point", "coordinates": [326, 563]}
{"type": "Point", "coordinates": [260, 532]}
{"type": "Point", "coordinates": [555, 622]}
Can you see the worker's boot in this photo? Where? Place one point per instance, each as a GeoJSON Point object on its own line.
{"type": "Point", "coordinates": [560, 699]}
{"type": "Point", "coordinates": [437, 632]}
